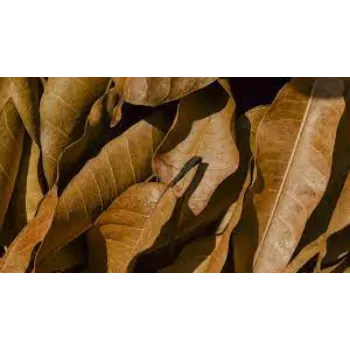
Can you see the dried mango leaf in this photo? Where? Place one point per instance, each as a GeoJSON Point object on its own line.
{"type": "Point", "coordinates": [155, 91]}
{"type": "Point", "coordinates": [123, 162]}
{"type": "Point", "coordinates": [20, 253]}
{"type": "Point", "coordinates": [96, 124]}
{"type": "Point", "coordinates": [26, 93]}
{"type": "Point", "coordinates": [63, 109]}
{"type": "Point", "coordinates": [11, 136]}
{"type": "Point", "coordinates": [255, 116]}
{"type": "Point", "coordinates": [208, 254]}
{"type": "Point", "coordinates": [203, 128]}
{"type": "Point", "coordinates": [184, 226]}
{"type": "Point", "coordinates": [245, 235]}
{"type": "Point", "coordinates": [295, 144]}
{"type": "Point", "coordinates": [331, 215]}
{"type": "Point", "coordinates": [129, 226]}
{"type": "Point", "coordinates": [28, 192]}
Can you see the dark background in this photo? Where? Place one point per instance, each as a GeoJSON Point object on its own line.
{"type": "Point", "coordinates": [251, 92]}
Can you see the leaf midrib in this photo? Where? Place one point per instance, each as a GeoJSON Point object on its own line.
{"type": "Point", "coordinates": [291, 160]}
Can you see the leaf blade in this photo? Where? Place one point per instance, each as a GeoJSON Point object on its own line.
{"type": "Point", "coordinates": [122, 162]}
{"type": "Point", "coordinates": [317, 105]}
{"type": "Point", "coordinates": [202, 128]}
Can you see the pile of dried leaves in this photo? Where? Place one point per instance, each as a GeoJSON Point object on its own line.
{"type": "Point", "coordinates": [174, 175]}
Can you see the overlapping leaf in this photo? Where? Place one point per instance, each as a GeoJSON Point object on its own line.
{"type": "Point", "coordinates": [244, 240]}
{"type": "Point", "coordinates": [295, 144]}
{"type": "Point", "coordinates": [326, 228]}
{"type": "Point", "coordinates": [208, 254]}
{"type": "Point", "coordinates": [11, 136]}
{"type": "Point", "coordinates": [97, 123]}
{"type": "Point", "coordinates": [129, 226]}
{"type": "Point", "coordinates": [127, 191]}
{"type": "Point", "coordinates": [28, 191]}
{"type": "Point", "coordinates": [20, 253]}
{"type": "Point", "coordinates": [63, 109]}
{"type": "Point", "coordinates": [123, 162]}
{"type": "Point", "coordinates": [155, 91]}
{"type": "Point", "coordinates": [203, 127]}
{"type": "Point", "coordinates": [184, 226]}
{"type": "Point", "coordinates": [26, 94]}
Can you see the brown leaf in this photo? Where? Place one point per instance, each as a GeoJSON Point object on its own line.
{"type": "Point", "coordinates": [245, 236]}
{"type": "Point", "coordinates": [208, 254]}
{"type": "Point", "coordinates": [96, 124]}
{"type": "Point", "coordinates": [203, 128]}
{"type": "Point", "coordinates": [184, 226]}
{"type": "Point", "coordinates": [123, 162]}
{"type": "Point", "coordinates": [331, 215]}
{"type": "Point", "coordinates": [28, 192]}
{"type": "Point", "coordinates": [20, 253]}
{"type": "Point", "coordinates": [130, 226]}
{"type": "Point", "coordinates": [155, 91]}
{"type": "Point", "coordinates": [255, 116]}
{"type": "Point", "coordinates": [295, 143]}
{"type": "Point", "coordinates": [11, 136]}
{"type": "Point", "coordinates": [26, 93]}
{"type": "Point", "coordinates": [63, 109]}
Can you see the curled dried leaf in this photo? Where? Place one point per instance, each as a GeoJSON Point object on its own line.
{"type": "Point", "coordinates": [244, 240]}
{"type": "Point", "coordinates": [11, 136]}
{"type": "Point", "coordinates": [203, 127]}
{"type": "Point", "coordinates": [131, 225]}
{"type": "Point", "coordinates": [208, 254]}
{"type": "Point", "coordinates": [331, 215]}
{"type": "Point", "coordinates": [123, 162]}
{"type": "Point", "coordinates": [97, 123]}
{"type": "Point", "coordinates": [155, 91]}
{"type": "Point", "coordinates": [63, 109]}
{"type": "Point", "coordinates": [28, 191]}
{"type": "Point", "coordinates": [184, 226]}
{"type": "Point", "coordinates": [21, 252]}
{"type": "Point", "coordinates": [26, 94]}
{"type": "Point", "coordinates": [295, 144]}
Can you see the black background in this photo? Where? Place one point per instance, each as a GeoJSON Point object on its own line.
{"type": "Point", "coordinates": [251, 90]}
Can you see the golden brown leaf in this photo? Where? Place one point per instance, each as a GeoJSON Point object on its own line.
{"type": "Point", "coordinates": [96, 124]}
{"type": "Point", "coordinates": [331, 215]}
{"type": "Point", "coordinates": [295, 143]}
{"type": "Point", "coordinates": [208, 254]}
{"type": "Point", "coordinates": [63, 109]}
{"type": "Point", "coordinates": [203, 128]}
{"type": "Point", "coordinates": [25, 93]}
{"type": "Point", "coordinates": [123, 162]}
{"type": "Point", "coordinates": [20, 253]}
{"type": "Point", "coordinates": [244, 240]}
{"type": "Point", "coordinates": [184, 226]}
{"type": "Point", "coordinates": [28, 192]}
{"type": "Point", "coordinates": [131, 225]}
{"type": "Point", "coordinates": [155, 91]}
{"type": "Point", "coordinates": [11, 136]}
{"type": "Point", "coordinates": [255, 116]}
